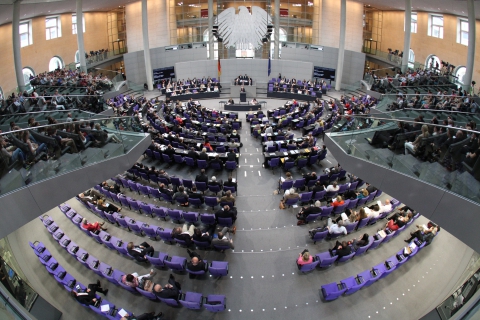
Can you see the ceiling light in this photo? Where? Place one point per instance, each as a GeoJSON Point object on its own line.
{"type": "Point", "coordinates": [296, 4]}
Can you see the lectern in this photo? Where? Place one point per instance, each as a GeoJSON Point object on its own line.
{"type": "Point", "coordinates": [243, 97]}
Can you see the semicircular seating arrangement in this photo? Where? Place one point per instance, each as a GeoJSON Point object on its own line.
{"type": "Point", "coordinates": [194, 300]}
{"type": "Point", "coordinates": [350, 285]}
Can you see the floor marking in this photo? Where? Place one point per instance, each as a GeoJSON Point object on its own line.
{"type": "Point", "coordinates": [245, 173]}
{"type": "Point", "coordinates": [258, 160]}
{"type": "Point", "coordinates": [245, 149]}
{"type": "Point", "coordinates": [245, 160]}
{"type": "Point", "coordinates": [259, 173]}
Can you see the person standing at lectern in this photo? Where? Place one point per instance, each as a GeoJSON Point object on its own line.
{"type": "Point", "coordinates": [242, 89]}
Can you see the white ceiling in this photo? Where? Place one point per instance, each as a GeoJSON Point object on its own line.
{"type": "Point", "coordinates": [33, 8]}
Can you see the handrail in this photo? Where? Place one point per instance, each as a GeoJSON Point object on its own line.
{"type": "Point", "coordinates": [430, 110]}
{"type": "Point", "coordinates": [401, 120]}
{"type": "Point", "coordinates": [62, 123]}
{"type": "Point", "coordinates": [34, 112]}
{"type": "Point", "coordinates": [19, 310]}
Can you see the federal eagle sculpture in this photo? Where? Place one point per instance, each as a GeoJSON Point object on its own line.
{"type": "Point", "coordinates": [243, 29]}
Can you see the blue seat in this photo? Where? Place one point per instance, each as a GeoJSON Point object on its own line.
{"type": "Point", "coordinates": [191, 300]}
{"type": "Point", "coordinates": [273, 163]}
{"type": "Point", "coordinates": [352, 284]}
{"type": "Point", "coordinates": [332, 291]}
{"type": "Point", "coordinates": [218, 268]}
{"type": "Point", "coordinates": [326, 259]}
{"type": "Point", "coordinates": [309, 266]}
{"type": "Point", "coordinates": [176, 263]}
{"type": "Point", "coordinates": [214, 303]}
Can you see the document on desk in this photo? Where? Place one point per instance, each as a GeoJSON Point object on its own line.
{"type": "Point", "coordinates": [272, 154]}
{"type": "Point", "coordinates": [105, 308]}
{"type": "Point", "coordinates": [122, 313]}
{"type": "Point", "coordinates": [285, 153]}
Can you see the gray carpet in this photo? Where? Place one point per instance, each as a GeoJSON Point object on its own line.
{"type": "Point", "coordinates": [263, 281]}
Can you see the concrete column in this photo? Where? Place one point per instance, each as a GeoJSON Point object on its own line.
{"type": "Point", "coordinates": [211, 49]}
{"type": "Point", "coordinates": [467, 79]}
{"type": "Point", "coordinates": [146, 46]}
{"type": "Point", "coordinates": [276, 45]}
{"type": "Point", "coordinates": [341, 46]}
{"type": "Point", "coordinates": [80, 43]}
{"type": "Point", "coordinates": [17, 56]}
{"type": "Point", "coordinates": [408, 34]}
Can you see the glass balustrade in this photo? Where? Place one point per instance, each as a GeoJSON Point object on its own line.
{"type": "Point", "coordinates": [383, 142]}
{"type": "Point", "coordinates": [53, 150]}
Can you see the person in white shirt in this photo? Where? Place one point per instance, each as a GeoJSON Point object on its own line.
{"type": "Point", "coordinates": [335, 227]}
{"type": "Point", "coordinates": [332, 188]}
{"type": "Point", "coordinates": [269, 143]}
{"type": "Point", "coordinates": [268, 130]}
{"type": "Point", "coordinates": [385, 208]}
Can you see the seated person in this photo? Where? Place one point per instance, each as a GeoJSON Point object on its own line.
{"type": "Point", "coordinates": [88, 297]}
{"type": "Point", "coordinates": [140, 252]}
{"type": "Point", "coordinates": [422, 233]}
{"type": "Point", "coordinates": [218, 161]}
{"type": "Point", "coordinates": [306, 211]}
{"type": "Point", "coordinates": [195, 194]}
{"type": "Point", "coordinates": [163, 189]}
{"type": "Point", "coordinates": [398, 221]}
{"type": "Point", "coordinates": [169, 291]}
{"type": "Point", "coordinates": [338, 201]}
{"type": "Point", "coordinates": [203, 155]}
{"type": "Point", "coordinates": [230, 101]}
{"type": "Point", "coordinates": [115, 188]}
{"type": "Point", "coordinates": [318, 187]}
{"type": "Point", "coordinates": [107, 207]}
{"type": "Point", "coordinates": [214, 182]}
{"type": "Point", "coordinates": [184, 233]}
{"type": "Point", "coordinates": [372, 211]}
{"type": "Point", "coordinates": [341, 249]}
{"type": "Point", "coordinates": [93, 227]}
{"type": "Point", "coordinates": [134, 280]}
{"type": "Point", "coordinates": [362, 194]}
{"type": "Point", "coordinates": [205, 236]}
{"type": "Point", "coordinates": [360, 242]}
{"type": "Point", "coordinates": [227, 198]}
{"type": "Point", "coordinates": [304, 258]}
{"type": "Point", "coordinates": [310, 176]}
{"type": "Point", "coordinates": [226, 212]}
{"type": "Point", "coordinates": [332, 188]}
{"type": "Point", "coordinates": [254, 101]}
{"type": "Point", "coordinates": [202, 177]}
{"type": "Point", "coordinates": [181, 194]}
{"type": "Point", "coordinates": [90, 196]}
{"type": "Point", "coordinates": [224, 239]}
{"type": "Point", "coordinates": [196, 263]}
{"type": "Point", "coordinates": [335, 227]}
{"type": "Point", "coordinates": [333, 170]}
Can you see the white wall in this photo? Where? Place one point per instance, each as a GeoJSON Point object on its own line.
{"type": "Point", "coordinates": [354, 62]}
{"type": "Point", "coordinates": [158, 33]}
{"type": "Point", "coordinates": [295, 62]}
{"type": "Point", "coordinates": [329, 29]}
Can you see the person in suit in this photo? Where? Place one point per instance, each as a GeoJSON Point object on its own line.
{"type": "Point", "coordinates": [204, 236]}
{"type": "Point", "coordinates": [230, 183]}
{"type": "Point", "coordinates": [196, 263]}
{"type": "Point", "coordinates": [140, 252]}
{"type": "Point", "coordinates": [226, 212]}
{"type": "Point", "coordinates": [341, 249]}
{"type": "Point", "coordinates": [224, 238]}
{"type": "Point", "coordinates": [242, 89]}
{"type": "Point", "coordinates": [214, 182]}
{"type": "Point", "coordinates": [169, 291]}
{"type": "Point", "coordinates": [169, 151]}
{"type": "Point", "coordinates": [232, 156]}
{"type": "Point", "coordinates": [203, 155]}
{"type": "Point", "coordinates": [108, 207]}
{"type": "Point", "coordinates": [181, 194]}
{"type": "Point", "coordinates": [192, 154]}
{"type": "Point", "coordinates": [195, 194]}
{"type": "Point", "coordinates": [165, 190]}
{"type": "Point", "coordinates": [218, 161]}
{"type": "Point", "coordinates": [234, 135]}
{"type": "Point", "coordinates": [184, 233]}
{"type": "Point", "coordinates": [306, 211]}
{"type": "Point", "coordinates": [202, 177]}
{"type": "Point", "coordinates": [89, 296]}
{"type": "Point", "coordinates": [230, 101]}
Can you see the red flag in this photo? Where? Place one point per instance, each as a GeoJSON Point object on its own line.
{"type": "Point", "coordinates": [219, 68]}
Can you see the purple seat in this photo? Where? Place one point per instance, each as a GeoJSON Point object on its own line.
{"type": "Point", "coordinates": [362, 223]}
{"type": "Point", "coordinates": [376, 272]}
{"type": "Point", "coordinates": [157, 259]}
{"type": "Point", "coordinates": [166, 235]}
{"type": "Point", "coordinates": [190, 162]}
{"type": "Point", "coordinates": [124, 201]}
{"type": "Point", "coordinates": [353, 186]}
{"type": "Point", "coordinates": [390, 236]}
{"type": "Point", "coordinates": [170, 302]}
{"type": "Point", "coordinates": [211, 202]}
{"type": "Point", "coordinates": [291, 202]}
{"type": "Point", "coordinates": [134, 205]}
{"type": "Point", "coordinates": [309, 266]}
{"type": "Point", "coordinates": [347, 257]}
{"type": "Point", "coordinates": [313, 217]}
{"type": "Point", "coordinates": [200, 272]}
{"type": "Point", "coordinates": [305, 197]}
{"type": "Point", "coordinates": [319, 235]}
{"type": "Point", "coordinates": [176, 263]}
{"type": "Point", "coordinates": [124, 286]}
{"type": "Point", "coordinates": [350, 227]}
{"type": "Point", "coordinates": [134, 226]}
{"type": "Point", "coordinates": [401, 258]}
{"type": "Point", "coordinates": [64, 242]}
{"type": "Point", "coordinates": [133, 186]}
{"type": "Point", "coordinates": [326, 259]}
{"type": "Point", "coordinates": [178, 159]}
{"type": "Point", "coordinates": [286, 185]}
{"type": "Point", "coordinates": [69, 282]}
{"type": "Point", "coordinates": [207, 218]}
{"type": "Point", "coordinates": [339, 209]}
{"type": "Point", "coordinates": [191, 300]}
{"type": "Point", "coordinates": [64, 207]}
{"type": "Point", "coordinates": [150, 231]}
{"type": "Point", "coordinates": [332, 291]}
{"type": "Point", "coordinates": [147, 294]}
{"type": "Point", "coordinates": [218, 268]}
{"type": "Point", "coordinates": [160, 212]}
{"type": "Point", "coordinates": [230, 165]}
{"type": "Point", "coordinates": [146, 208]}
{"type": "Point", "coordinates": [374, 243]}
{"type": "Point", "coordinates": [70, 213]}
{"type": "Point", "coordinates": [59, 273]}
{"type": "Point", "coordinates": [175, 215]}
{"type": "Point", "coordinates": [190, 217]}
{"type": "Point", "coordinates": [214, 303]}
{"type": "Point", "coordinates": [352, 284]}
{"type": "Point", "coordinates": [195, 202]}
{"type": "Point", "coordinates": [352, 204]}
{"type": "Point", "coordinates": [362, 250]}
{"type": "Point", "coordinates": [72, 248]}
{"type": "Point", "coordinates": [202, 164]}
{"type": "Point", "coordinates": [342, 188]}
{"type": "Point", "coordinates": [361, 202]}
{"type": "Point", "coordinates": [225, 222]}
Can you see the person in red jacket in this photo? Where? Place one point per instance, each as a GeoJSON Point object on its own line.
{"type": "Point", "coordinates": [93, 227]}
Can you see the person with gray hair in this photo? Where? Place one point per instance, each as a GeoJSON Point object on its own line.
{"type": "Point", "coordinates": [306, 211]}
{"type": "Point", "coordinates": [291, 194]}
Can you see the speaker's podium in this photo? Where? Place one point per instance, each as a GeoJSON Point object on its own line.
{"type": "Point", "coordinates": [243, 97]}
